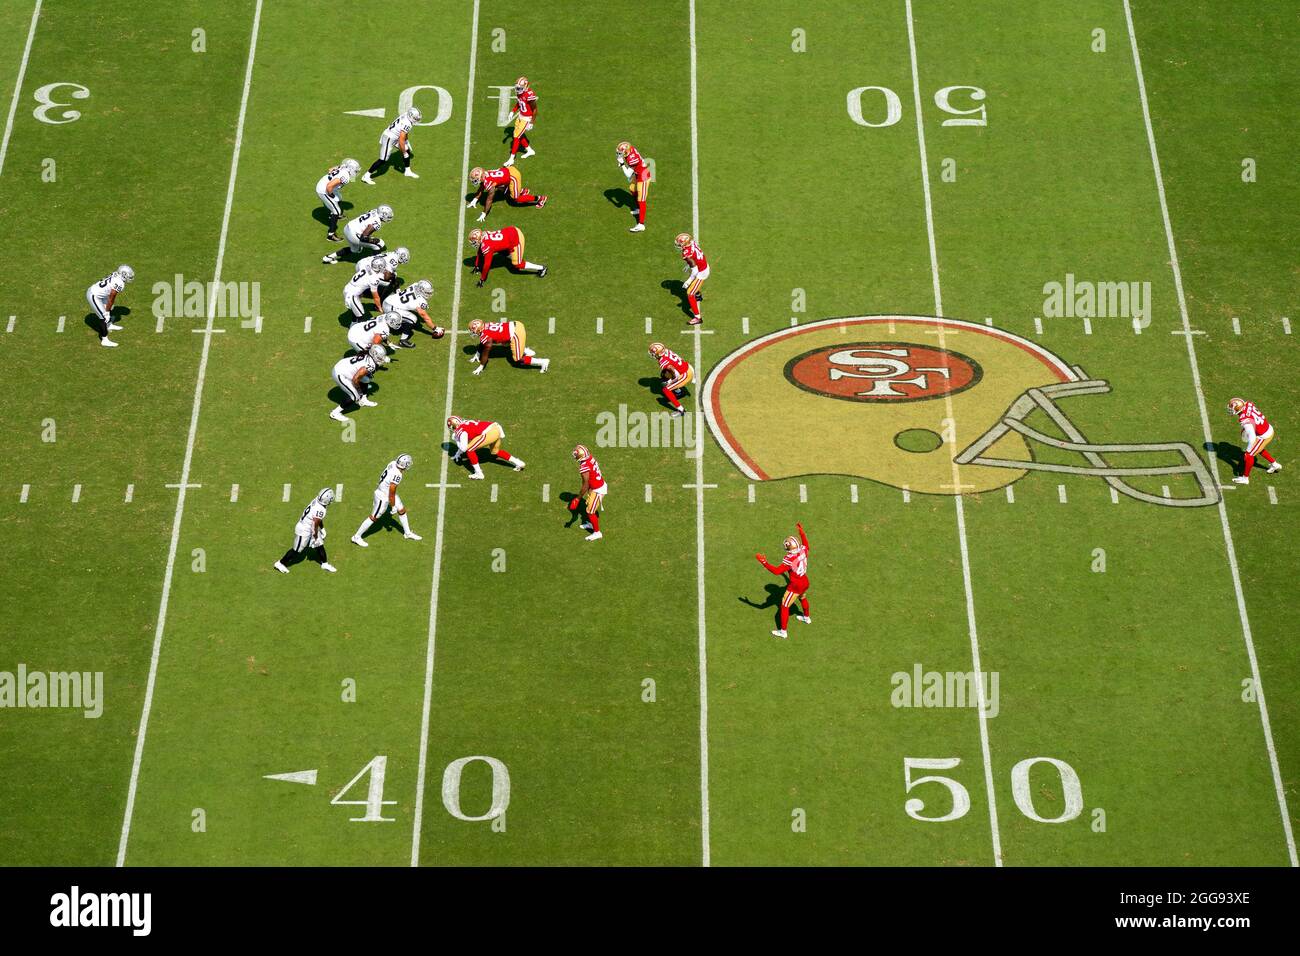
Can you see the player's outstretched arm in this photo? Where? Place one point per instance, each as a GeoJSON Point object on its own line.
{"type": "Point", "coordinates": [802, 537]}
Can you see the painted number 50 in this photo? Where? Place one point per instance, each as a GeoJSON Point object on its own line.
{"type": "Point", "coordinates": [866, 110]}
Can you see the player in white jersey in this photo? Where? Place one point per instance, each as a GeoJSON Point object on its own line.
{"type": "Point", "coordinates": [387, 263]}
{"type": "Point", "coordinates": [397, 135]}
{"type": "Point", "coordinates": [330, 190]}
{"type": "Point", "coordinates": [309, 534]}
{"type": "Point", "coordinates": [101, 297]}
{"type": "Point", "coordinates": [349, 373]}
{"type": "Point", "coordinates": [386, 500]}
{"type": "Point", "coordinates": [361, 233]}
{"type": "Point", "coordinates": [412, 306]}
{"type": "Point", "coordinates": [363, 281]}
{"type": "Point", "coordinates": [368, 332]}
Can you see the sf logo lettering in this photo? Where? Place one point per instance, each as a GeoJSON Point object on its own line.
{"type": "Point", "coordinates": [45, 97]}
{"type": "Point", "coordinates": [885, 367]}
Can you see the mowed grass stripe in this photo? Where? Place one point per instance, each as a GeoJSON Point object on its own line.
{"type": "Point", "coordinates": [265, 686]}
{"type": "Point", "coordinates": [544, 665]}
{"type": "Point", "coordinates": [807, 750]}
{"type": "Point", "coordinates": [97, 561]}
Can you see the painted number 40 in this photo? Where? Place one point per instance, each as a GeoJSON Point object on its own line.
{"type": "Point", "coordinates": [374, 801]}
{"type": "Point", "coordinates": [859, 104]}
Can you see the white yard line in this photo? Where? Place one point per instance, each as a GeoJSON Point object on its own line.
{"type": "Point", "coordinates": [18, 86]}
{"type": "Point", "coordinates": [189, 448]}
{"type": "Point", "coordinates": [699, 485]}
{"type": "Point", "coordinates": [957, 498]}
{"type": "Point", "coordinates": [442, 475]}
{"type": "Point", "coordinates": [1229, 548]}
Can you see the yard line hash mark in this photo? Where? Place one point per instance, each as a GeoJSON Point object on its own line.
{"type": "Point", "coordinates": [189, 451]}
{"type": "Point", "coordinates": [441, 524]}
{"type": "Point", "coordinates": [1228, 545]}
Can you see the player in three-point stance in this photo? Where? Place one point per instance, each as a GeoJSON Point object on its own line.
{"type": "Point", "coordinates": [525, 112]}
{"type": "Point", "coordinates": [637, 174]}
{"type": "Point", "coordinates": [330, 190]}
{"type": "Point", "coordinates": [488, 242]}
{"type": "Point", "coordinates": [349, 374]}
{"type": "Point", "coordinates": [386, 500]}
{"type": "Point", "coordinates": [397, 135]}
{"type": "Point", "coordinates": [675, 372]}
{"type": "Point", "coordinates": [411, 306]}
{"type": "Point", "coordinates": [101, 297]}
{"type": "Point", "coordinates": [697, 270]}
{"type": "Point", "coordinates": [591, 493]}
{"type": "Point", "coordinates": [504, 332]}
{"type": "Point", "coordinates": [309, 535]}
{"type": "Point", "coordinates": [362, 335]}
{"type": "Point", "coordinates": [1256, 433]}
{"type": "Point", "coordinates": [473, 437]}
{"type": "Point", "coordinates": [795, 568]}
{"type": "Point", "coordinates": [488, 183]}
{"type": "Point", "coordinates": [361, 233]}
{"type": "Point", "coordinates": [368, 279]}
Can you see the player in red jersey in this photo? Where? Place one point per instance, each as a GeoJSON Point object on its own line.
{"type": "Point", "coordinates": [488, 242]}
{"type": "Point", "coordinates": [1256, 433]}
{"type": "Point", "coordinates": [505, 332]}
{"type": "Point", "coordinates": [488, 182]}
{"type": "Point", "coordinates": [472, 438]}
{"type": "Point", "coordinates": [591, 494]}
{"type": "Point", "coordinates": [524, 114]}
{"type": "Point", "coordinates": [638, 175]}
{"type": "Point", "coordinates": [675, 372]}
{"type": "Point", "coordinates": [795, 568]}
{"type": "Point", "coordinates": [697, 270]}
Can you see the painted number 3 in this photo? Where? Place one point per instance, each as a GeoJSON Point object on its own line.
{"type": "Point", "coordinates": [976, 115]}
{"type": "Point", "coordinates": [46, 102]}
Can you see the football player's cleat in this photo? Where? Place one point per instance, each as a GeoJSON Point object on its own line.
{"type": "Point", "coordinates": [403, 462]}
{"type": "Point", "coordinates": [279, 566]}
{"type": "Point", "coordinates": [108, 343]}
{"type": "Point", "coordinates": [385, 213]}
{"type": "Point", "coordinates": [805, 620]}
{"type": "Point", "coordinates": [542, 274]}
{"type": "Point", "coordinates": [1275, 467]}
{"type": "Point", "coordinates": [581, 452]}
{"type": "Point", "coordinates": [521, 84]}
{"type": "Point", "coordinates": [394, 321]}
{"type": "Point", "coordinates": [379, 354]}
{"type": "Point", "coordinates": [410, 345]}
{"type": "Point", "coordinates": [529, 151]}
{"type": "Point", "coordinates": [639, 227]}
{"type": "Point", "coordinates": [542, 364]}
{"type": "Point", "coordinates": [476, 326]}
{"type": "Point", "coordinates": [356, 539]}
{"type": "Point", "coordinates": [476, 176]}
{"type": "Point", "coordinates": [408, 172]}
{"type": "Point", "coordinates": [365, 178]}
{"type": "Point", "coordinates": [366, 402]}
{"type": "Point", "coordinates": [424, 287]}
{"type": "Point", "coordinates": [623, 149]}
{"type": "Point", "coordinates": [791, 544]}
{"type": "Point", "coordinates": [412, 536]}
{"type": "Point", "coordinates": [657, 349]}
{"type": "Point", "coordinates": [780, 634]}
{"type": "Point", "coordinates": [683, 240]}
{"type": "Point", "coordinates": [337, 415]}
{"type": "Point", "coordinates": [475, 237]}
{"type": "Point", "coordinates": [595, 536]}
{"type": "Point", "coordinates": [454, 422]}
{"type": "Point", "coordinates": [542, 201]}
{"type": "Point", "coordinates": [1236, 405]}
{"type": "Point", "coordinates": [326, 497]}
{"type": "Point", "coordinates": [326, 566]}
{"type": "Point", "coordinates": [127, 273]}
{"type": "Point", "coordinates": [414, 114]}
{"type": "Point", "coordinates": [1241, 480]}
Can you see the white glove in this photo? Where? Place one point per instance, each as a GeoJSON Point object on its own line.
{"type": "Point", "coordinates": [473, 359]}
{"type": "Point", "coordinates": [627, 173]}
{"type": "Point", "coordinates": [511, 117]}
{"type": "Point", "coordinates": [472, 203]}
{"type": "Point", "coordinates": [317, 541]}
{"type": "Point", "coordinates": [482, 216]}
{"type": "Point", "coordinates": [529, 127]}
{"type": "Point", "coordinates": [479, 370]}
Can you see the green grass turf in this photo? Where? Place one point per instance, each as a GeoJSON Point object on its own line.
{"type": "Point", "coordinates": [1132, 676]}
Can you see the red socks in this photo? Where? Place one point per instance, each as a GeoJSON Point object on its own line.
{"type": "Point", "coordinates": [503, 455]}
{"type": "Point", "coordinates": [803, 603]}
{"type": "Point", "coordinates": [695, 306]}
{"type": "Point", "coordinates": [672, 399]}
{"type": "Point", "coordinates": [1250, 463]}
{"type": "Point", "coordinates": [517, 142]}
{"type": "Point", "coordinates": [594, 518]}
{"type": "Point", "coordinates": [785, 616]}
{"type": "Point", "coordinates": [641, 212]}
{"type": "Point", "coordinates": [1267, 457]}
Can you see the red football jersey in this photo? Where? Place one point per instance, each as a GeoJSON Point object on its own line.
{"type": "Point", "coordinates": [471, 430]}
{"type": "Point", "coordinates": [590, 468]}
{"type": "Point", "coordinates": [1252, 416]}
{"type": "Point", "coordinates": [495, 333]}
{"type": "Point", "coordinates": [496, 177]}
{"type": "Point", "coordinates": [499, 240]}
{"type": "Point", "coordinates": [526, 103]}
{"type": "Point", "coordinates": [796, 563]}
{"type": "Point", "coordinates": [669, 359]}
{"type": "Point", "coordinates": [694, 255]}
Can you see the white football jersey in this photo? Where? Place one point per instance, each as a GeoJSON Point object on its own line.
{"type": "Point", "coordinates": [406, 302]}
{"type": "Point", "coordinates": [389, 260]}
{"type": "Point", "coordinates": [306, 524]}
{"type": "Point", "coordinates": [101, 290]}
{"type": "Point", "coordinates": [361, 282]}
{"type": "Point", "coordinates": [365, 220]}
{"type": "Point", "coordinates": [344, 176]}
{"type": "Point", "coordinates": [390, 479]}
{"type": "Point", "coordinates": [345, 368]}
{"type": "Point", "coordinates": [398, 126]}
{"type": "Point", "coordinates": [362, 334]}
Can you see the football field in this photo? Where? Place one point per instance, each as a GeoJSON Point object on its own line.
{"type": "Point", "coordinates": [987, 277]}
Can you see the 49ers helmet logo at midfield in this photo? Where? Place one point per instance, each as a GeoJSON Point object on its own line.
{"type": "Point", "coordinates": [933, 405]}
{"type": "Point", "coordinates": [882, 372]}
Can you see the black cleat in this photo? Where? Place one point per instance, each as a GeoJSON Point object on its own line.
{"type": "Point", "coordinates": [406, 345]}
